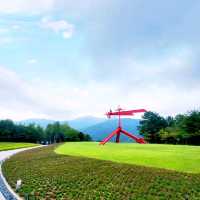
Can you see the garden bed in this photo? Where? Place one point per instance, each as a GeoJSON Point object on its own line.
{"type": "Point", "coordinates": [47, 175]}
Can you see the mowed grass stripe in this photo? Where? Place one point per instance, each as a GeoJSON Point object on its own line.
{"type": "Point", "coordinates": [15, 145]}
{"type": "Point", "coordinates": [181, 158]}
{"type": "Point", "coordinates": [47, 175]}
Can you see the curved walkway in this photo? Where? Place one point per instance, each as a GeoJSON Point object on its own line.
{"type": "Point", "coordinates": [6, 192]}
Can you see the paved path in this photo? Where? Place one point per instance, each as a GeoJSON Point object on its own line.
{"type": "Point", "coordinates": [5, 190]}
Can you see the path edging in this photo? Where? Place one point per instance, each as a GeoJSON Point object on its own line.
{"type": "Point", "coordinates": [12, 192]}
{"type": "Point", "coordinates": [15, 195]}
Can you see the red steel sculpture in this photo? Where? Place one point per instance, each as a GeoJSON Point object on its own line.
{"type": "Point", "coordinates": [120, 112]}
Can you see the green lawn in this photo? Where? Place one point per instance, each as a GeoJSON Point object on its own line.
{"type": "Point", "coordinates": [175, 157]}
{"type": "Point", "coordinates": [13, 145]}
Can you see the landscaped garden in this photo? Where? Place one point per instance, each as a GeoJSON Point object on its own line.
{"type": "Point", "coordinates": [48, 175]}
{"type": "Point", "coordinates": [15, 145]}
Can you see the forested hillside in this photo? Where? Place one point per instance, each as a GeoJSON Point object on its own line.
{"type": "Point", "coordinates": [181, 129]}
{"type": "Point", "coordinates": [56, 132]}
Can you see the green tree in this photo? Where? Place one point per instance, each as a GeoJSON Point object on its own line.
{"type": "Point", "coordinates": [87, 137]}
{"type": "Point", "coordinates": [192, 127]}
{"type": "Point", "coordinates": [170, 121]}
{"type": "Point", "coordinates": [150, 125]}
{"type": "Point", "coordinates": [7, 129]}
{"type": "Point", "coordinates": [56, 132]}
{"type": "Point", "coordinates": [51, 133]}
{"type": "Point", "coordinates": [192, 123]}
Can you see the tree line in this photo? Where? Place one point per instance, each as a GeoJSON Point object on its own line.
{"type": "Point", "coordinates": [53, 133]}
{"type": "Point", "coordinates": [181, 129]}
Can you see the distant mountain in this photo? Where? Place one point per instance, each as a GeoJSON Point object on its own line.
{"type": "Point", "coordinates": [79, 123]}
{"type": "Point", "coordinates": [84, 122]}
{"type": "Point", "coordinates": [97, 128]}
{"type": "Point", "coordinates": [41, 122]}
{"type": "Point", "coordinates": [101, 130]}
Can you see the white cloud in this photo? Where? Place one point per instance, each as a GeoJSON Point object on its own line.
{"type": "Point", "coordinates": [32, 61]}
{"type": "Point", "coordinates": [32, 7]}
{"type": "Point", "coordinates": [21, 99]}
{"type": "Point", "coordinates": [5, 40]}
{"type": "Point", "coordinates": [3, 30]}
{"type": "Point", "coordinates": [68, 34]}
{"type": "Point", "coordinates": [16, 27]}
{"type": "Point", "coordinates": [164, 83]}
{"type": "Point", "coordinates": [58, 26]}
{"type": "Point", "coordinates": [6, 34]}
{"type": "Point", "coordinates": [26, 6]}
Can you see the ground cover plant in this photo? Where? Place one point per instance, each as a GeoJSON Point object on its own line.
{"type": "Point", "coordinates": [176, 157]}
{"type": "Point", "coordinates": [13, 145]}
{"type": "Point", "coordinates": [47, 175]}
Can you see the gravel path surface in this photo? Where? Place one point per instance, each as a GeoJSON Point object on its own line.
{"type": "Point", "coordinates": [5, 191]}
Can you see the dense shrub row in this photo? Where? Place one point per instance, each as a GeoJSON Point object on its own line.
{"type": "Point", "coordinates": [56, 132]}
{"type": "Point", "coordinates": [46, 175]}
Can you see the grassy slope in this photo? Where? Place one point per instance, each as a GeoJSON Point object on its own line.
{"type": "Point", "coordinates": [175, 157]}
{"type": "Point", "coordinates": [12, 145]}
{"type": "Point", "coordinates": [47, 175]}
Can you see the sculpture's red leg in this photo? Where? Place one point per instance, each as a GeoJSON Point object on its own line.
{"type": "Point", "coordinates": [137, 139]}
{"type": "Point", "coordinates": [110, 136]}
{"type": "Point", "coordinates": [118, 137]}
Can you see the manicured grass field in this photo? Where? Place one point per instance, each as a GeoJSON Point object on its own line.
{"type": "Point", "coordinates": [175, 157]}
{"type": "Point", "coordinates": [46, 175]}
{"type": "Point", "coordinates": [13, 145]}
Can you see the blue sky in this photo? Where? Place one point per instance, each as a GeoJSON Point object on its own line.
{"type": "Point", "coordinates": [64, 59]}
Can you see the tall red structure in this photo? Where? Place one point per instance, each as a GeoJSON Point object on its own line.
{"type": "Point", "coordinates": [120, 112]}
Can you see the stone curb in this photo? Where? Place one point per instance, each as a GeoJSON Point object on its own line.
{"type": "Point", "coordinates": [5, 188]}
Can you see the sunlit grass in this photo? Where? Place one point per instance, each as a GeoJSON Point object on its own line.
{"type": "Point", "coordinates": [175, 157]}
{"type": "Point", "coordinates": [13, 145]}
